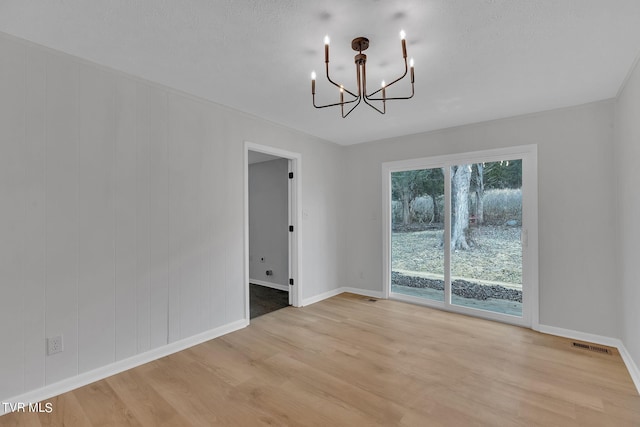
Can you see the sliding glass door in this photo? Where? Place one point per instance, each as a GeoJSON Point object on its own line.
{"type": "Point", "coordinates": [459, 233]}
{"type": "Point", "coordinates": [486, 229]}
{"type": "Point", "coordinates": [417, 252]}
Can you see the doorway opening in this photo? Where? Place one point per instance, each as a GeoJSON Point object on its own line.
{"type": "Point", "coordinates": [271, 235]}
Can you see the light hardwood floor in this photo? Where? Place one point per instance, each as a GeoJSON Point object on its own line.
{"type": "Point", "coordinates": [349, 361]}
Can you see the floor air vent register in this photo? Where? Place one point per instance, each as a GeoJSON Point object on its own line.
{"type": "Point", "coordinates": [594, 348]}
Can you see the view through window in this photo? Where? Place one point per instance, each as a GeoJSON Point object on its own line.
{"type": "Point", "coordinates": [485, 253]}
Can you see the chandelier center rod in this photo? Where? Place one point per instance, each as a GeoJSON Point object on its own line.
{"type": "Point", "coordinates": [359, 44]}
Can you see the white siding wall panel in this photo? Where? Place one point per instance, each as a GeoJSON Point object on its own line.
{"type": "Point", "coordinates": [143, 277]}
{"type": "Point", "coordinates": [12, 186]}
{"type": "Point", "coordinates": [158, 218]}
{"type": "Point", "coordinates": [125, 219]}
{"type": "Point", "coordinates": [234, 250]}
{"type": "Point", "coordinates": [206, 217]}
{"type": "Point", "coordinates": [62, 214]}
{"type": "Point", "coordinates": [35, 220]}
{"type": "Point", "coordinates": [96, 285]}
{"type": "Point", "coordinates": [174, 218]}
{"type": "Point", "coordinates": [187, 127]}
{"type": "Point", "coordinates": [216, 154]}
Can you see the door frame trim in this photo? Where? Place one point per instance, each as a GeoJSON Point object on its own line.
{"type": "Point", "coordinates": [529, 156]}
{"type": "Point", "coordinates": [295, 219]}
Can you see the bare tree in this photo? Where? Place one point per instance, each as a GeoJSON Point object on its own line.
{"type": "Point", "coordinates": [406, 186]}
{"type": "Point", "coordinates": [479, 181]}
{"type": "Point", "coordinates": [460, 183]}
{"type": "Point", "coordinates": [434, 187]}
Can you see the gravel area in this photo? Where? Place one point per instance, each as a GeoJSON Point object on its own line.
{"type": "Point", "coordinates": [462, 288]}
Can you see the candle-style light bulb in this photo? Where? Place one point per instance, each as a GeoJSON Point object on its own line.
{"type": "Point", "coordinates": [384, 95]}
{"type": "Point", "coordinates": [404, 43]}
{"type": "Point", "coordinates": [411, 65]}
{"type": "Point", "coordinates": [313, 83]}
{"type": "Point", "coordinates": [341, 94]}
{"type": "Point", "coordinates": [326, 49]}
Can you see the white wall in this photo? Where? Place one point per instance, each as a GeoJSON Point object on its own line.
{"type": "Point", "coordinates": [268, 221]}
{"type": "Point", "coordinates": [121, 214]}
{"type": "Point", "coordinates": [627, 154]}
{"type": "Point", "coordinates": [576, 206]}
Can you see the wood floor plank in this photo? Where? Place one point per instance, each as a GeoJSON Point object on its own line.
{"type": "Point", "coordinates": [150, 407]}
{"type": "Point", "coordinates": [351, 360]}
{"type": "Point", "coordinates": [66, 411]}
{"type": "Point", "coordinates": [103, 406]}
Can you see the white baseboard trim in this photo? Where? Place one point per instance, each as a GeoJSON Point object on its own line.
{"type": "Point", "coordinates": [602, 340]}
{"type": "Point", "coordinates": [631, 365]}
{"type": "Point", "coordinates": [580, 336]}
{"type": "Point", "coordinates": [364, 292]}
{"type": "Point", "coordinates": [270, 285]}
{"type": "Point", "coordinates": [333, 293]}
{"type": "Point", "coordinates": [322, 296]}
{"type": "Point", "coordinates": [83, 379]}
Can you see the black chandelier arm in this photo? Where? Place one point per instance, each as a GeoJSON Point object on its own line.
{"type": "Point", "coordinates": [336, 84]}
{"type": "Point", "coordinates": [357, 98]}
{"type": "Point", "coordinates": [384, 106]}
{"type": "Point", "coordinates": [391, 98]}
{"type": "Point", "coordinates": [406, 70]}
{"type": "Point", "coordinates": [351, 109]}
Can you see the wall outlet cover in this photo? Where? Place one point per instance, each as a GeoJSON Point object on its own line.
{"type": "Point", "coordinates": [54, 345]}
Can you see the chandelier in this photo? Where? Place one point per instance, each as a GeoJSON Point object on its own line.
{"type": "Point", "coordinates": [361, 44]}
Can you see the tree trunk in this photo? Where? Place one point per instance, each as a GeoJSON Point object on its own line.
{"type": "Point", "coordinates": [460, 183]}
{"type": "Point", "coordinates": [406, 214]}
{"type": "Point", "coordinates": [436, 212]}
{"type": "Point", "coordinates": [480, 195]}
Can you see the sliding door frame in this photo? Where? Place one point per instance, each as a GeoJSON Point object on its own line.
{"type": "Point", "coordinates": [530, 295]}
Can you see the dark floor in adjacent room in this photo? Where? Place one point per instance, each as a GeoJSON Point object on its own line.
{"type": "Point", "coordinates": [264, 300]}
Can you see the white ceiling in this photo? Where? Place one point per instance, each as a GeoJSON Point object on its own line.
{"type": "Point", "coordinates": [476, 60]}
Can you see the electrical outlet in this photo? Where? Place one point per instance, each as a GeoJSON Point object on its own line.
{"type": "Point", "coordinates": [54, 345]}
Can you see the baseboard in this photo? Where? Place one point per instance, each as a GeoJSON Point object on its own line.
{"type": "Point", "coordinates": [270, 285]}
{"type": "Point", "coordinates": [363, 292]}
{"type": "Point", "coordinates": [83, 379]}
{"type": "Point", "coordinates": [632, 367]}
{"type": "Point", "coordinates": [333, 293]}
{"type": "Point", "coordinates": [322, 296]}
{"type": "Point", "coordinates": [580, 336]}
